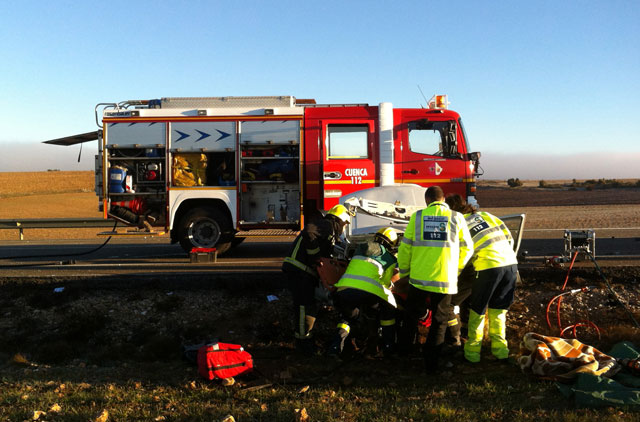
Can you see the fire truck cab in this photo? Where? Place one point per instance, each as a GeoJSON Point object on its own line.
{"type": "Point", "coordinates": [210, 169]}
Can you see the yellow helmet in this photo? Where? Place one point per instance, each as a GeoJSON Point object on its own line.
{"type": "Point", "coordinates": [340, 212]}
{"type": "Point", "coordinates": [388, 235]}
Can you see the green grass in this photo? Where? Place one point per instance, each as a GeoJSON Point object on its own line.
{"type": "Point", "coordinates": [175, 393]}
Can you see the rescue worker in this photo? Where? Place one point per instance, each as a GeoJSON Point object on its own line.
{"type": "Point", "coordinates": [460, 301]}
{"type": "Point", "coordinates": [435, 247]}
{"type": "Point", "coordinates": [459, 309]}
{"type": "Point", "coordinates": [496, 266]}
{"type": "Point", "coordinates": [315, 241]}
{"type": "Point", "coordinates": [365, 286]}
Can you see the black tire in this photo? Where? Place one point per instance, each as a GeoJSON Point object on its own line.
{"type": "Point", "coordinates": [205, 227]}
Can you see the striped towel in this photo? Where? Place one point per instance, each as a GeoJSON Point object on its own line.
{"type": "Point", "coordinates": [563, 359]}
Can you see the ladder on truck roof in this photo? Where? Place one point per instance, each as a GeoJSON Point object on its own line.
{"type": "Point", "coordinates": [227, 102]}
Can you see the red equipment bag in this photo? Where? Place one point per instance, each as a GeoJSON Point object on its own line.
{"type": "Point", "coordinates": [222, 360]}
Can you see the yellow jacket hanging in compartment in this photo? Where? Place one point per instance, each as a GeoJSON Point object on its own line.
{"type": "Point", "coordinates": [189, 169]}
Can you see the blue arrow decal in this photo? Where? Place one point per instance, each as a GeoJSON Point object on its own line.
{"type": "Point", "coordinates": [182, 136]}
{"type": "Point", "coordinates": [204, 135]}
{"type": "Point", "coordinates": [152, 123]}
{"type": "Point", "coordinates": [222, 135]}
{"type": "Point", "coordinates": [131, 124]}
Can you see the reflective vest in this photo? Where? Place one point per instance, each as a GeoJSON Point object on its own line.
{"type": "Point", "coordinates": [492, 241]}
{"type": "Point", "coordinates": [371, 274]}
{"type": "Point", "coordinates": [298, 254]}
{"type": "Point", "coordinates": [308, 247]}
{"type": "Point", "coordinates": [435, 248]}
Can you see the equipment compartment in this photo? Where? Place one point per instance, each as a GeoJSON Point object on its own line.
{"type": "Point", "coordinates": [270, 184]}
{"type": "Point", "coordinates": [204, 169]}
{"type": "Point", "coordinates": [271, 203]}
{"type": "Point", "coordinates": [137, 184]}
{"type": "Point", "coordinates": [136, 170]}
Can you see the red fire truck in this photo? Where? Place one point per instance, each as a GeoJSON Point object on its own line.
{"type": "Point", "coordinates": [210, 169]}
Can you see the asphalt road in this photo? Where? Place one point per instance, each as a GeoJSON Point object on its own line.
{"type": "Point", "coordinates": [75, 258]}
{"type": "Point", "coordinates": [255, 256]}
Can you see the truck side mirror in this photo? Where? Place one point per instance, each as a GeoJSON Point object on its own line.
{"type": "Point", "coordinates": [475, 158]}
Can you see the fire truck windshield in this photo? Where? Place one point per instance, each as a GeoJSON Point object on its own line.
{"type": "Point", "coordinates": [464, 134]}
{"type": "Point", "coordinates": [433, 137]}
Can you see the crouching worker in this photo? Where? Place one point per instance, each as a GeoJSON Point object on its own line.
{"type": "Point", "coordinates": [365, 286]}
{"type": "Point", "coordinates": [315, 241]}
{"type": "Point", "coordinates": [496, 266]}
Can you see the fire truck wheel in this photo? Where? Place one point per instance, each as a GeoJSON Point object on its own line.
{"type": "Point", "coordinates": [205, 228]}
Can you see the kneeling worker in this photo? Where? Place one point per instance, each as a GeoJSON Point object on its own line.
{"type": "Point", "coordinates": [366, 285]}
{"type": "Point", "coordinates": [496, 265]}
{"type": "Point", "coordinates": [314, 242]}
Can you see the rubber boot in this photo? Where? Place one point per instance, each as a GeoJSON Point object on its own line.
{"type": "Point", "coordinates": [304, 340]}
{"type": "Point", "coordinates": [303, 324]}
{"type": "Point", "coordinates": [337, 344]}
{"type": "Point", "coordinates": [431, 355]}
{"type": "Point", "coordinates": [498, 333]}
{"type": "Point", "coordinates": [454, 331]}
{"type": "Point", "coordinates": [475, 331]}
{"type": "Point", "coordinates": [300, 330]}
{"type": "Point", "coordinates": [388, 329]}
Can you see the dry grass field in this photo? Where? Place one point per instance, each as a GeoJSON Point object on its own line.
{"type": "Point", "coordinates": [17, 184]}
{"type": "Point", "coordinates": [55, 194]}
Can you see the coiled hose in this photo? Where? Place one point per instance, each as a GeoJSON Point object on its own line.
{"type": "Point", "coordinates": [582, 323]}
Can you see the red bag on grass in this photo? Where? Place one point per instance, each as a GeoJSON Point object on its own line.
{"type": "Point", "coordinates": [223, 360]}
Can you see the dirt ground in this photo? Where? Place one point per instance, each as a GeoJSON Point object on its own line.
{"type": "Point", "coordinates": [158, 315]}
{"type": "Point", "coordinates": [116, 322]}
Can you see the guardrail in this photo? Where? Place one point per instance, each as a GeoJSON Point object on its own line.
{"type": "Point", "coordinates": [53, 223]}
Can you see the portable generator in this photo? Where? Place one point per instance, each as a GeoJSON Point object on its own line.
{"type": "Point", "coordinates": [580, 241]}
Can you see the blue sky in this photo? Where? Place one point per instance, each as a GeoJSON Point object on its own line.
{"type": "Point", "coordinates": [547, 82]}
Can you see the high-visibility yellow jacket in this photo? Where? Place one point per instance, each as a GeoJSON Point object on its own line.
{"type": "Point", "coordinates": [371, 273]}
{"type": "Point", "coordinates": [435, 247]}
{"type": "Point", "coordinates": [492, 241]}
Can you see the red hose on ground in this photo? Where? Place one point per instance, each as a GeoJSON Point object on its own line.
{"type": "Point", "coordinates": [573, 260]}
{"type": "Point", "coordinates": [575, 255]}
{"type": "Point", "coordinates": [583, 323]}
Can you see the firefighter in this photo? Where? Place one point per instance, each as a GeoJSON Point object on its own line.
{"type": "Point", "coordinates": [315, 241]}
{"type": "Point", "coordinates": [435, 247]}
{"type": "Point", "coordinates": [496, 266]}
{"type": "Point", "coordinates": [364, 287]}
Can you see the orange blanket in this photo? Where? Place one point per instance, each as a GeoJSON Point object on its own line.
{"type": "Point", "coordinates": [563, 359]}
